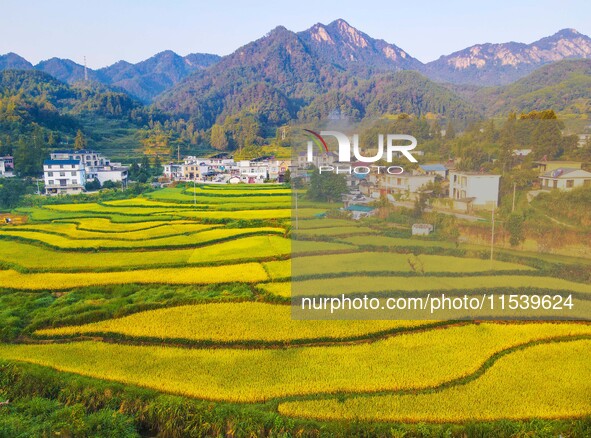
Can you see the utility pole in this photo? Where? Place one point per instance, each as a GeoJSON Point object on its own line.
{"type": "Point", "coordinates": [514, 187]}
{"type": "Point", "coordinates": [492, 239]}
{"type": "Point", "coordinates": [296, 208]}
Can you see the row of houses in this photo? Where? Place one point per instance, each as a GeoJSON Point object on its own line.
{"type": "Point", "coordinates": [223, 168]}
{"type": "Point", "coordinates": [462, 191]}
{"type": "Point", "coordinates": [68, 171]}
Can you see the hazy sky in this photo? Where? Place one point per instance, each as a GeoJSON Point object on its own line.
{"type": "Point", "coordinates": [109, 30]}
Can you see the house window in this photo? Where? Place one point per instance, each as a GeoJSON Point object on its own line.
{"type": "Point", "coordinates": [587, 182]}
{"type": "Point", "coordinates": [49, 173]}
{"type": "Point", "coordinates": [555, 183]}
{"type": "Point", "coordinates": [61, 166]}
{"type": "Point", "coordinates": [570, 183]}
{"type": "Point", "coordinates": [73, 173]}
{"type": "Point", "coordinates": [62, 173]}
{"type": "Point", "coordinates": [50, 182]}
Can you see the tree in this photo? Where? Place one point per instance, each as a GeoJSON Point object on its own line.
{"type": "Point", "coordinates": [28, 157]}
{"type": "Point", "coordinates": [219, 140]}
{"type": "Point", "coordinates": [92, 185]}
{"type": "Point", "coordinates": [157, 166]}
{"type": "Point", "coordinates": [80, 142]}
{"type": "Point", "coordinates": [326, 187]}
{"type": "Point", "coordinates": [515, 228]}
{"type": "Point", "coordinates": [145, 165]}
{"type": "Point", "coordinates": [450, 132]}
{"type": "Point", "coordinates": [12, 190]}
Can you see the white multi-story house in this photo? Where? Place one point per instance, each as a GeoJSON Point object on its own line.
{"type": "Point", "coordinates": [482, 190]}
{"type": "Point", "coordinates": [172, 171]}
{"type": "Point", "coordinates": [96, 166]}
{"type": "Point", "coordinates": [64, 176]}
{"type": "Point", "coordinates": [253, 171]}
{"type": "Point", "coordinates": [87, 157]}
{"type": "Point", "coordinates": [404, 183]}
{"type": "Point", "coordinates": [565, 178]}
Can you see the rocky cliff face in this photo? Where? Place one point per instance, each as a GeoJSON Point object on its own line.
{"type": "Point", "coordinates": [497, 64]}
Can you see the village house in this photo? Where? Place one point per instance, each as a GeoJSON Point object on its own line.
{"type": "Point", "coordinates": [433, 169]}
{"type": "Point", "coordinates": [472, 189]}
{"type": "Point", "coordinates": [6, 166]}
{"type": "Point", "coordinates": [404, 183]}
{"type": "Point", "coordinates": [96, 166]}
{"type": "Point", "coordinates": [173, 172]}
{"type": "Point", "coordinates": [548, 166]}
{"type": "Point", "coordinates": [325, 159]}
{"type": "Point", "coordinates": [64, 177]}
{"type": "Point", "coordinates": [564, 178]}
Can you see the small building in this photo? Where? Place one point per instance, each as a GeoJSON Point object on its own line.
{"type": "Point", "coordinates": [481, 190]}
{"type": "Point", "coordinates": [520, 153]}
{"type": "Point", "coordinates": [360, 211]}
{"type": "Point", "coordinates": [548, 166]}
{"type": "Point", "coordinates": [565, 178]}
{"type": "Point", "coordinates": [422, 229]}
{"type": "Point", "coordinates": [113, 172]}
{"type": "Point", "coordinates": [433, 169]}
{"type": "Point", "coordinates": [7, 162]}
{"type": "Point", "coordinates": [64, 177]}
{"type": "Point", "coordinates": [323, 159]}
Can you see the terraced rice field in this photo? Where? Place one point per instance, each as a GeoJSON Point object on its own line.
{"type": "Point", "coordinates": [244, 347]}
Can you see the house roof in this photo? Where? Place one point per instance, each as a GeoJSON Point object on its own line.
{"type": "Point", "coordinates": [433, 167]}
{"type": "Point", "coordinates": [474, 174]}
{"type": "Point", "coordinates": [50, 162]}
{"type": "Point", "coordinates": [564, 172]}
{"type": "Point", "coordinates": [361, 208]}
{"type": "Point", "coordinates": [564, 163]}
{"type": "Point", "coordinates": [72, 151]}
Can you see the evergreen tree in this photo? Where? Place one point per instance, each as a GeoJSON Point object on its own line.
{"type": "Point", "coordinates": [80, 142]}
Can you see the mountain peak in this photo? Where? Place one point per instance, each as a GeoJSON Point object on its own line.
{"type": "Point", "coordinates": [567, 33]}
{"type": "Point", "coordinates": [498, 64]}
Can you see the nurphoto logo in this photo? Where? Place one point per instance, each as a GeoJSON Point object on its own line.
{"type": "Point", "coordinates": [387, 150]}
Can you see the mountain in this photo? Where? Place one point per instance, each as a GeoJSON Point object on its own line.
{"type": "Point", "coordinates": [390, 93]}
{"type": "Point", "coordinates": [143, 80]}
{"type": "Point", "coordinates": [65, 70]}
{"type": "Point", "coordinates": [501, 64]}
{"type": "Point", "coordinates": [14, 61]}
{"type": "Point", "coordinates": [148, 78]}
{"type": "Point", "coordinates": [562, 86]}
{"type": "Point", "coordinates": [341, 44]}
{"type": "Point", "coordinates": [320, 67]}
{"type": "Point", "coordinates": [280, 61]}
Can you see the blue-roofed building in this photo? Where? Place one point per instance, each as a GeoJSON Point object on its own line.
{"type": "Point", "coordinates": [63, 177]}
{"type": "Point", "coordinates": [434, 169]}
